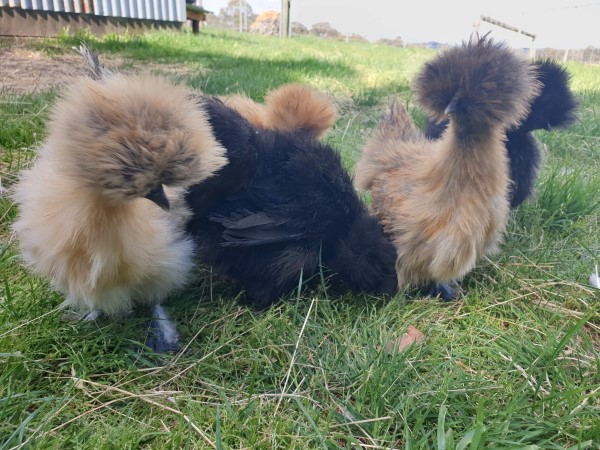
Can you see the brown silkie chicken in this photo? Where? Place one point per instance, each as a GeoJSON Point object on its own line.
{"type": "Point", "coordinates": [444, 203]}
{"type": "Point", "coordinates": [88, 215]}
{"type": "Point", "coordinates": [290, 107]}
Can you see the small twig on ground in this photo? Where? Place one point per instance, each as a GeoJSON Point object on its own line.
{"type": "Point", "coordinates": [531, 381]}
{"type": "Point", "coordinates": [358, 422]}
{"type": "Point", "coordinates": [287, 375]}
{"type": "Point", "coordinates": [585, 400]}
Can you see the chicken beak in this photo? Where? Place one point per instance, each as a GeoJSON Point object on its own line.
{"type": "Point", "coordinates": [452, 107]}
{"type": "Point", "coordinates": [158, 196]}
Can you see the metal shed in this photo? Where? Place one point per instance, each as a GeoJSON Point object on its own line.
{"type": "Point", "coordinates": [50, 17]}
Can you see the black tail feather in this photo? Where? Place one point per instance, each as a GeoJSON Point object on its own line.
{"type": "Point", "coordinates": [556, 105]}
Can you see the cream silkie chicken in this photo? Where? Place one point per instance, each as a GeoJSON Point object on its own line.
{"type": "Point", "coordinates": [94, 218]}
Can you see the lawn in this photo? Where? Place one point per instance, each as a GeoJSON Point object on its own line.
{"type": "Point", "coordinates": [514, 365]}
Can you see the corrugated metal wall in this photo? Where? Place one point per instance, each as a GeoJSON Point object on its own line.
{"type": "Point", "coordinates": [169, 10]}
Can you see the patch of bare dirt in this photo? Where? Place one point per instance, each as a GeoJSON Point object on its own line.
{"type": "Point", "coordinates": [24, 71]}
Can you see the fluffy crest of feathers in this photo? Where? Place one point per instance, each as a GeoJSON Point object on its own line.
{"type": "Point", "coordinates": [83, 220]}
{"type": "Point", "coordinates": [290, 107]}
{"type": "Point", "coordinates": [120, 137]}
{"type": "Point", "coordinates": [465, 80]}
{"type": "Point", "coordinates": [444, 203]}
{"type": "Point", "coordinates": [281, 207]}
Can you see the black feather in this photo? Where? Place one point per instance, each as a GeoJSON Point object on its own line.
{"type": "Point", "coordinates": [283, 204]}
{"type": "Point", "coordinates": [246, 228]}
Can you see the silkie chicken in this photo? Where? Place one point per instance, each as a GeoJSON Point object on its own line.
{"type": "Point", "coordinates": [444, 203]}
{"type": "Point", "coordinates": [93, 215]}
{"type": "Point", "coordinates": [290, 107]}
{"type": "Point", "coordinates": [554, 107]}
{"type": "Point", "coordinates": [282, 209]}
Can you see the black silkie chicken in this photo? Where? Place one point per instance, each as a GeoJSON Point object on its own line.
{"type": "Point", "coordinates": [281, 209]}
{"type": "Point", "coordinates": [555, 107]}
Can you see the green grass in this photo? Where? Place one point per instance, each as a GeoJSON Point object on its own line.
{"type": "Point", "coordinates": [515, 365]}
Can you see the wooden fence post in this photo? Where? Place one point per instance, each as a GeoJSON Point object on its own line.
{"type": "Point", "coordinates": [284, 25]}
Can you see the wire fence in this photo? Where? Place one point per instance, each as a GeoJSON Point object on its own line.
{"type": "Point", "coordinates": [584, 56]}
{"type": "Point", "coordinates": [527, 42]}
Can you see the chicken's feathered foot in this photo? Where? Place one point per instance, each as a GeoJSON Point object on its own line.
{"type": "Point", "coordinates": [443, 291]}
{"type": "Point", "coordinates": [447, 292]}
{"type": "Point", "coordinates": [163, 333]}
{"type": "Point", "coordinates": [92, 315]}
{"type": "Point", "coordinates": [163, 336]}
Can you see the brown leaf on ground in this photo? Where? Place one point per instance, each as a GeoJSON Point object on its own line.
{"type": "Point", "coordinates": [412, 336]}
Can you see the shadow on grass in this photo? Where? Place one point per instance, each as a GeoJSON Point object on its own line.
{"type": "Point", "coordinates": [218, 71]}
{"type": "Point", "coordinates": [212, 68]}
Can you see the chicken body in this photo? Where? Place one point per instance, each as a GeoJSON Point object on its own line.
{"type": "Point", "coordinates": [102, 257]}
{"type": "Point", "coordinates": [554, 107]}
{"type": "Point", "coordinates": [444, 203]}
{"type": "Point", "coordinates": [283, 206]}
{"type": "Point", "coordinates": [86, 221]}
